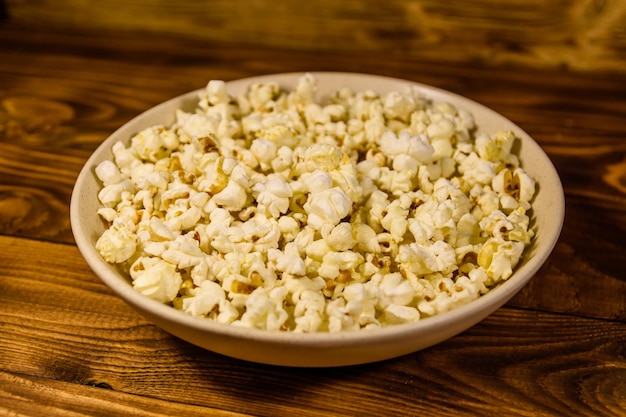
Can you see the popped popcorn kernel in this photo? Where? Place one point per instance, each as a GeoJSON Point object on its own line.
{"type": "Point", "coordinates": [156, 278]}
{"type": "Point", "coordinates": [116, 245]}
{"type": "Point", "coordinates": [275, 210]}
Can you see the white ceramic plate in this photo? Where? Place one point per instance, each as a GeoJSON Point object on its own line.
{"type": "Point", "coordinates": [323, 349]}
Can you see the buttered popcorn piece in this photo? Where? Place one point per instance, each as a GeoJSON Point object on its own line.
{"type": "Point", "coordinates": [156, 278]}
{"type": "Point", "coordinates": [116, 245]}
{"type": "Point", "coordinates": [327, 207]}
{"type": "Point", "coordinates": [276, 211]}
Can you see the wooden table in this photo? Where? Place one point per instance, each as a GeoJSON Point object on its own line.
{"type": "Point", "coordinates": [68, 346]}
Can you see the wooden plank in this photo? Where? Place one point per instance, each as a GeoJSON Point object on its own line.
{"type": "Point", "coordinates": [31, 396]}
{"type": "Point", "coordinates": [72, 72]}
{"type": "Point", "coordinates": [583, 35]}
{"type": "Point", "coordinates": [35, 188]}
{"type": "Point", "coordinates": [58, 322]}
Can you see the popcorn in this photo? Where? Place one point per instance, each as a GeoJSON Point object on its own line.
{"type": "Point", "coordinates": [289, 228]}
{"type": "Point", "coordinates": [215, 94]}
{"type": "Point", "coordinates": [288, 261]}
{"type": "Point", "coordinates": [264, 310]}
{"type": "Point", "coordinates": [421, 259]}
{"type": "Point", "coordinates": [195, 126]}
{"type": "Point", "coordinates": [108, 173]}
{"type": "Point", "coordinates": [340, 237]}
{"type": "Point", "coordinates": [264, 151]}
{"type": "Point", "coordinates": [399, 106]}
{"type": "Point", "coordinates": [275, 211]}
{"type": "Point", "coordinates": [395, 220]}
{"type": "Point", "coordinates": [233, 197]}
{"type": "Point", "coordinates": [309, 311]}
{"type": "Point", "coordinates": [441, 129]}
{"type": "Point", "coordinates": [516, 184]}
{"type": "Point", "coordinates": [495, 147]}
{"type": "Point", "coordinates": [366, 240]}
{"type": "Point", "coordinates": [114, 184]}
{"type": "Point", "coordinates": [317, 181]}
{"type": "Point", "coordinates": [156, 278]}
{"type": "Point", "coordinates": [408, 152]}
{"type": "Point", "coordinates": [184, 252]}
{"type": "Point", "coordinates": [476, 170]}
{"type": "Point", "coordinates": [319, 156]}
{"type": "Point", "coordinates": [334, 263]}
{"type": "Point", "coordinates": [274, 196]}
{"type": "Point", "coordinates": [204, 299]}
{"type": "Point", "coordinates": [396, 290]}
{"type": "Point", "coordinates": [154, 143]}
{"type": "Point", "coordinates": [327, 207]}
{"type": "Point", "coordinates": [499, 257]}
{"type": "Point", "coordinates": [401, 314]}
{"type": "Point", "coordinates": [116, 245]}
{"type": "Point", "coordinates": [262, 95]}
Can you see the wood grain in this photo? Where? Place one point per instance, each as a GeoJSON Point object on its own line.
{"type": "Point", "coordinates": [72, 72]}
{"type": "Point", "coordinates": [580, 34]}
{"type": "Point", "coordinates": [27, 209]}
{"type": "Point", "coordinates": [60, 323]}
{"type": "Point", "coordinates": [51, 398]}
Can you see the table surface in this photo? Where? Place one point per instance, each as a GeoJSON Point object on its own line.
{"type": "Point", "coordinates": [68, 346]}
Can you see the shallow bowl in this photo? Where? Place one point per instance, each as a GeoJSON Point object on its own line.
{"type": "Point", "coordinates": [323, 349]}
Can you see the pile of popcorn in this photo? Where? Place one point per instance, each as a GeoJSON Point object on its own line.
{"type": "Point", "coordinates": [272, 210]}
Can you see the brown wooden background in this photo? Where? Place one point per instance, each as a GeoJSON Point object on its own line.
{"type": "Point", "coordinates": [73, 71]}
{"type": "Point", "coordinates": [582, 35]}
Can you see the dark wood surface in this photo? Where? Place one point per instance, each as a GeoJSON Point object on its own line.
{"type": "Point", "coordinates": [68, 346]}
